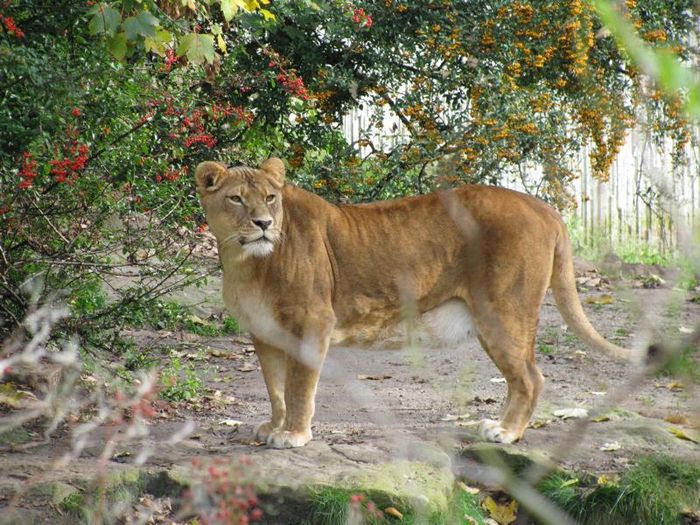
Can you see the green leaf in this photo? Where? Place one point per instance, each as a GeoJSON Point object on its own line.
{"type": "Point", "coordinates": [117, 45]}
{"type": "Point", "coordinates": [157, 44]}
{"type": "Point", "coordinates": [267, 14]}
{"type": "Point", "coordinates": [231, 7]}
{"type": "Point", "coordinates": [197, 47]}
{"type": "Point", "coordinates": [221, 43]}
{"type": "Point", "coordinates": [142, 25]}
{"type": "Point", "coordinates": [106, 19]}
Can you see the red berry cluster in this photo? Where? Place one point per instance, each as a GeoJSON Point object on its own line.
{"type": "Point", "coordinates": [67, 169]}
{"type": "Point", "coordinates": [222, 111]}
{"type": "Point", "coordinates": [361, 18]}
{"type": "Point", "coordinates": [234, 504]}
{"type": "Point", "coordinates": [293, 84]}
{"type": "Point", "coordinates": [27, 171]}
{"type": "Point", "coordinates": [369, 508]}
{"type": "Point", "coordinates": [194, 124]}
{"type": "Point", "coordinates": [172, 175]}
{"type": "Point", "coordinates": [205, 139]}
{"type": "Point", "coordinates": [170, 60]}
{"type": "Point", "coordinates": [11, 27]}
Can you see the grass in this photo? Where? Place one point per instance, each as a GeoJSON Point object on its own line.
{"type": "Point", "coordinates": [622, 332]}
{"type": "Point", "coordinates": [332, 506]}
{"type": "Point", "coordinates": [544, 348]}
{"type": "Point", "coordinates": [685, 364]}
{"type": "Point", "coordinates": [655, 491]}
{"type": "Point", "coordinates": [180, 382]}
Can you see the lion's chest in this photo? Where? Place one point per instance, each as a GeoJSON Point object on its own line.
{"type": "Point", "coordinates": [254, 314]}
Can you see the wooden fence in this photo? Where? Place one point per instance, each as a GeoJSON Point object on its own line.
{"type": "Point", "coordinates": [649, 199]}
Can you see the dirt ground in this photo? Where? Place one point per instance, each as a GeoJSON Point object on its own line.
{"type": "Point", "coordinates": [367, 399]}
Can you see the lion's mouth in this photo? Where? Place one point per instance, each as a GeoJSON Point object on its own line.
{"type": "Point", "coordinates": [262, 239]}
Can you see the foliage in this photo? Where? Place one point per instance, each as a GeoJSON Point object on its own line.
{"type": "Point", "coordinates": [656, 490]}
{"type": "Point", "coordinates": [180, 382]}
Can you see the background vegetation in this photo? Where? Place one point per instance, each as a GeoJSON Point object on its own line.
{"type": "Point", "coordinates": [107, 106]}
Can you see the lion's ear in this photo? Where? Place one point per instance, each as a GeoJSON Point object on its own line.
{"type": "Point", "coordinates": [275, 167]}
{"type": "Point", "coordinates": [209, 176]}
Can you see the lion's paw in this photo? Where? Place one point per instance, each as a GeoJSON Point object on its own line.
{"type": "Point", "coordinates": [286, 439]}
{"type": "Point", "coordinates": [263, 431]}
{"type": "Point", "coordinates": [493, 431]}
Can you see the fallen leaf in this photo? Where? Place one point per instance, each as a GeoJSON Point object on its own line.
{"type": "Point", "coordinates": [392, 511]}
{"type": "Point", "coordinates": [230, 422]}
{"type": "Point", "coordinates": [674, 386]}
{"type": "Point", "coordinates": [217, 352]}
{"type": "Point", "coordinates": [685, 330]}
{"type": "Point", "coordinates": [566, 413]}
{"type": "Point", "coordinates": [539, 423]}
{"type": "Point", "coordinates": [450, 417]}
{"type": "Point", "coordinates": [10, 395]}
{"type": "Point", "coordinates": [609, 447]}
{"type": "Point", "coordinates": [601, 418]}
{"type": "Point", "coordinates": [373, 377]}
{"type": "Point", "coordinates": [466, 488]}
{"type": "Point", "coordinates": [498, 379]}
{"type": "Point", "coordinates": [596, 393]}
{"type": "Point", "coordinates": [569, 482]}
{"type": "Point", "coordinates": [503, 514]}
{"type": "Point", "coordinates": [197, 320]}
{"type": "Point", "coordinates": [600, 299]}
{"type": "Point", "coordinates": [677, 419]}
{"type": "Point", "coordinates": [247, 367]}
{"type": "Point", "coordinates": [607, 480]}
{"type": "Point", "coordinates": [680, 434]}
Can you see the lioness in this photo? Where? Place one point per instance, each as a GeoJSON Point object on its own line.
{"type": "Point", "coordinates": [301, 274]}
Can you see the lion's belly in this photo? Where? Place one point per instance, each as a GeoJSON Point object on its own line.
{"type": "Point", "coordinates": [446, 325]}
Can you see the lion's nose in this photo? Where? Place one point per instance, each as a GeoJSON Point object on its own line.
{"type": "Point", "coordinates": [262, 224]}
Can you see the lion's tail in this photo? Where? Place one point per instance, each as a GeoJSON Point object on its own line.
{"type": "Point", "coordinates": [563, 283]}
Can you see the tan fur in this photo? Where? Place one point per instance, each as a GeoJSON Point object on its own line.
{"type": "Point", "coordinates": [477, 256]}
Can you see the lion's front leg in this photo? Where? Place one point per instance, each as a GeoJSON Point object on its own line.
{"type": "Point", "coordinates": [273, 362]}
{"type": "Point", "coordinates": [303, 372]}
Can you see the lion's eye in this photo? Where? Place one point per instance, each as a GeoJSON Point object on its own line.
{"type": "Point", "coordinates": [270, 198]}
{"type": "Point", "coordinates": [235, 199]}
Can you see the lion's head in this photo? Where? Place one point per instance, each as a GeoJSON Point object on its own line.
{"type": "Point", "coordinates": [243, 205]}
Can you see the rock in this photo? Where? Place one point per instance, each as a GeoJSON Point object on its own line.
{"type": "Point", "coordinates": [415, 474]}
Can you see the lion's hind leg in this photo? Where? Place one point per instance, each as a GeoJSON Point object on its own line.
{"type": "Point", "coordinates": [515, 360]}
